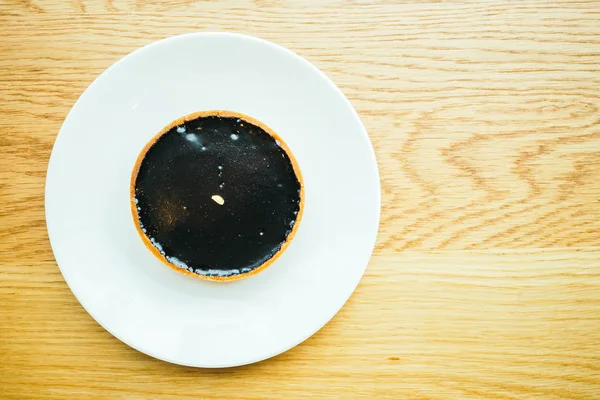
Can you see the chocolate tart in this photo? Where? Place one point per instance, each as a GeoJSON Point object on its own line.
{"type": "Point", "coordinates": [216, 195]}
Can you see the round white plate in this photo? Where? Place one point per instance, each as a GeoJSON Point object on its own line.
{"type": "Point", "coordinates": [183, 319]}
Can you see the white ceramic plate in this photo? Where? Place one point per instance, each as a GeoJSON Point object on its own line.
{"type": "Point", "coordinates": [183, 319]}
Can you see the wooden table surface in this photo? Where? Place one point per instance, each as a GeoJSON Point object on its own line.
{"type": "Point", "coordinates": [485, 118]}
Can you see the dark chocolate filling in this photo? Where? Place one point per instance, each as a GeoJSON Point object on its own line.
{"type": "Point", "coordinates": [194, 167]}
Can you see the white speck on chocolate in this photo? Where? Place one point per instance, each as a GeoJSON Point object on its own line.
{"type": "Point", "coordinates": [156, 244]}
{"type": "Point", "coordinates": [190, 137]}
{"type": "Point", "coordinates": [217, 272]}
{"type": "Point", "coordinates": [206, 272]}
{"type": "Point", "coordinates": [234, 136]}
{"type": "Point", "coordinates": [177, 262]}
{"type": "Point", "coordinates": [181, 129]}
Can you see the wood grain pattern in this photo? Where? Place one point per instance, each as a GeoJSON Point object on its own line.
{"type": "Point", "coordinates": [485, 118]}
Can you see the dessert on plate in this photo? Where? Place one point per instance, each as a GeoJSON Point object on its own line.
{"type": "Point", "coordinates": [216, 195]}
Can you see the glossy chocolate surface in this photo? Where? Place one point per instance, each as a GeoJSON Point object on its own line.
{"type": "Point", "coordinates": [217, 196]}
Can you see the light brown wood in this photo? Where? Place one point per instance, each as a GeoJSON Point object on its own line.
{"type": "Point", "coordinates": [485, 117]}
